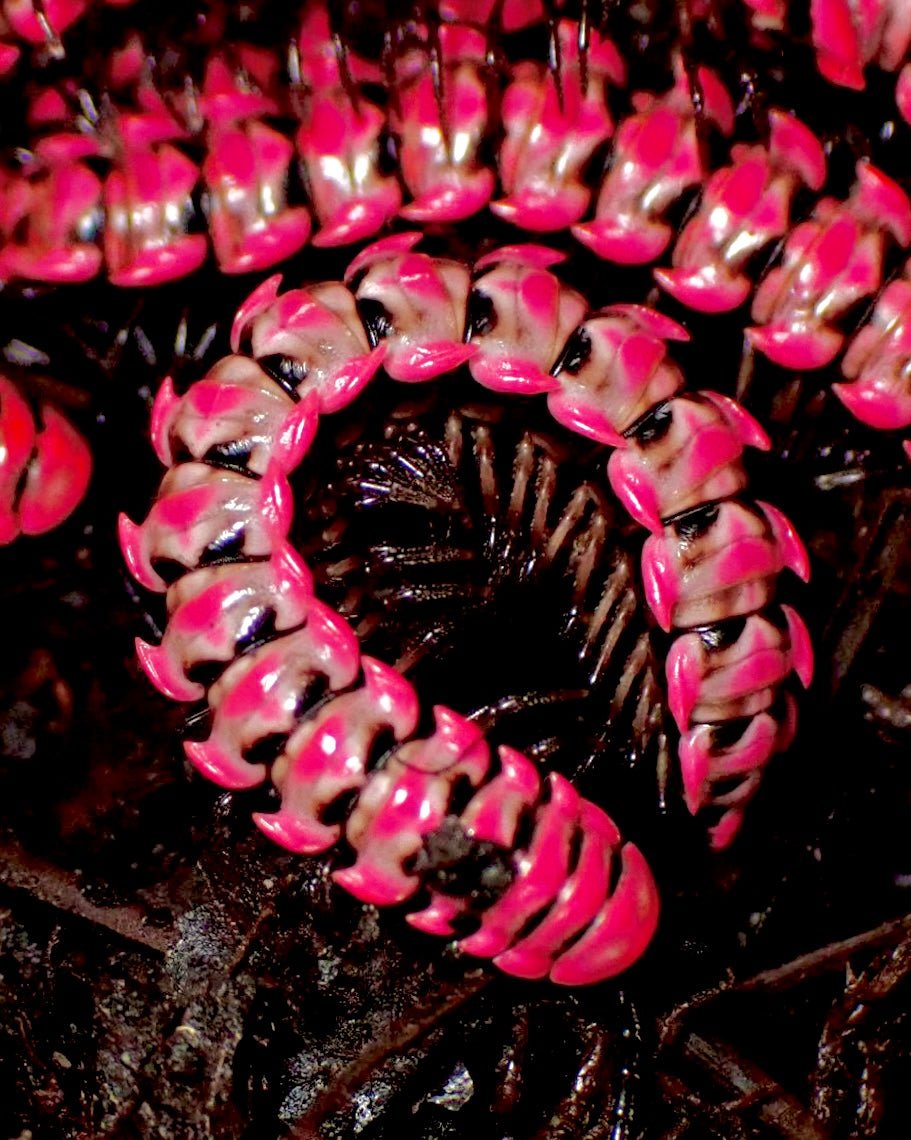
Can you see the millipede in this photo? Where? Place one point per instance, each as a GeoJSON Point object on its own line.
{"type": "Point", "coordinates": [483, 251]}
{"type": "Point", "coordinates": [709, 568]}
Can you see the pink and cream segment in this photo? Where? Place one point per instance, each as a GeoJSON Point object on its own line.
{"type": "Point", "coordinates": [45, 465]}
{"type": "Point", "coordinates": [848, 36]}
{"type": "Point", "coordinates": [27, 24]}
{"type": "Point", "coordinates": [245, 628]}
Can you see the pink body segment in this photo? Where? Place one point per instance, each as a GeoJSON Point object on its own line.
{"type": "Point", "coordinates": [215, 611]}
{"type": "Point", "coordinates": [656, 157]}
{"type": "Point", "coordinates": [553, 125]}
{"type": "Point", "coordinates": [45, 465]}
{"type": "Point", "coordinates": [744, 207]}
{"type": "Point", "coordinates": [440, 116]}
{"type": "Point", "coordinates": [339, 140]}
{"type": "Point", "coordinates": [830, 263]}
{"type": "Point", "coordinates": [877, 364]}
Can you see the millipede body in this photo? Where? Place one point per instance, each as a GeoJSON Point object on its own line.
{"type": "Point", "coordinates": [489, 349]}
{"type": "Point", "coordinates": [242, 609]}
{"type": "Point", "coordinates": [461, 120]}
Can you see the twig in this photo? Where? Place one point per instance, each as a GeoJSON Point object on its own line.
{"type": "Point", "coordinates": [753, 1086]}
{"type": "Point", "coordinates": [22, 871]}
{"type": "Point", "coordinates": [401, 1036]}
{"type": "Point", "coordinates": [830, 957]}
{"type": "Point", "coordinates": [693, 1111]}
{"type": "Point", "coordinates": [842, 1028]}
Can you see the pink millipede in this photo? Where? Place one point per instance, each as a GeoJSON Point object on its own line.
{"type": "Point", "coordinates": [710, 568]}
{"type": "Point", "coordinates": [116, 194]}
{"type": "Point", "coordinates": [470, 584]}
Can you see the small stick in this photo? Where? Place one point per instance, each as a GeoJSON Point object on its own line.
{"type": "Point", "coordinates": [776, 1107]}
{"type": "Point", "coordinates": [830, 957]}
{"type": "Point", "coordinates": [21, 871]}
{"type": "Point", "coordinates": [402, 1035]}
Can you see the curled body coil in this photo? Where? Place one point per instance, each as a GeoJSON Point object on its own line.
{"type": "Point", "coordinates": [291, 697]}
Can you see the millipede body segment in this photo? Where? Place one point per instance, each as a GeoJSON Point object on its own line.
{"type": "Point", "coordinates": [45, 464]}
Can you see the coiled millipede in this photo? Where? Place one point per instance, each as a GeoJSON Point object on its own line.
{"type": "Point", "coordinates": [121, 191]}
{"type": "Point", "coordinates": [217, 531]}
{"type": "Point", "coordinates": [423, 548]}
